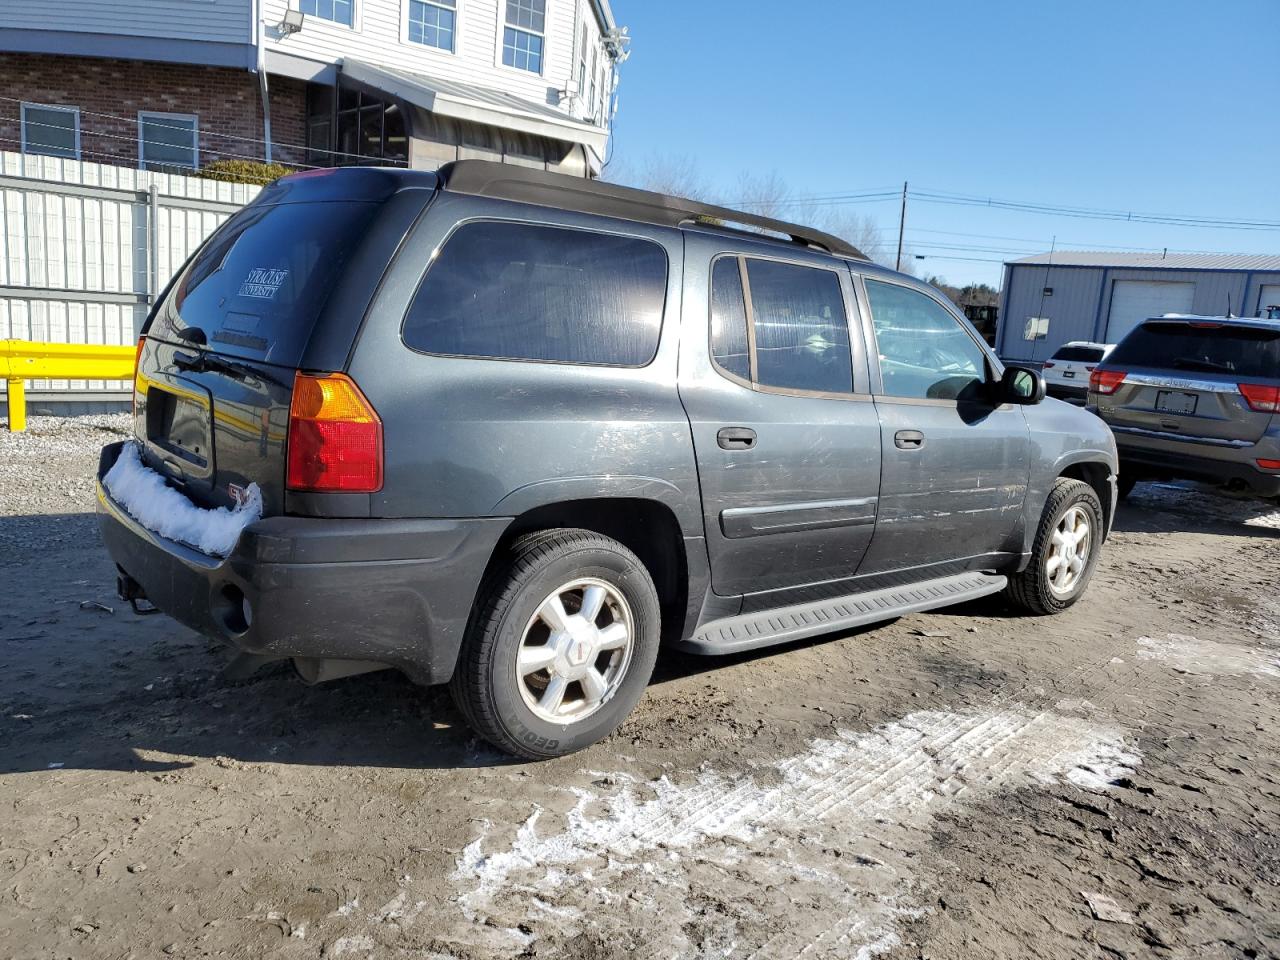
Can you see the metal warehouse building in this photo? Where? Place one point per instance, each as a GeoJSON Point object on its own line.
{"type": "Point", "coordinates": [1049, 299]}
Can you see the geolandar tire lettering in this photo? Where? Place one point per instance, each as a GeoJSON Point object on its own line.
{"type": "Point", "coordinates": [561, 644]}
{"type": "Point", "coordinates": [1068, 541]}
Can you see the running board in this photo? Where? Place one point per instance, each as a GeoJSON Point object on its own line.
{"type": "Point", "coordinates": [751, 630]}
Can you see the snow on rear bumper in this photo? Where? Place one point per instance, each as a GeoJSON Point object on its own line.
{"type": "Point", "coordinates": [392, 591]}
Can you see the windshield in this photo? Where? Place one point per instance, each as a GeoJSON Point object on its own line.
{"type": "Point", "coordinates": [1244, 352]}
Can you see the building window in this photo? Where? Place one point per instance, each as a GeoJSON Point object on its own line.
{"type": "Point", "coordinates": [338, 11]}
{"type": "Point", "coordinates": [431, 22]}
{"type": "Point", "coordinates": [51, 131]}
{"type": "Point", "coordinates": [369, 130]}
{"type": "Point", "coordinates": [582, 63]}
{"type": "Point", "coordinates": [591, 99]}
{"type": "Point", "coordinates": [167, 140]}
{"type": "Point", "coordinates": [524, 34]}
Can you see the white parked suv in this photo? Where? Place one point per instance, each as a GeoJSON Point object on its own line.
{"type": "Point", "coordinates": [1066, 373]}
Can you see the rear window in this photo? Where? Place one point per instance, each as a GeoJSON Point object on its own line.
{"type": "Point", "coordinates": [1238, 351]}
{"type": "Point", "coordinates": [519, 291]}
{"type": "Point", "coordinates": [1085, 354]}
{"type": "Point", "coordinates": [258, 285]}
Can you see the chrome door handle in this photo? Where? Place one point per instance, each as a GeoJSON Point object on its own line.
{"type": "Point", "coordinates": [908, 439]}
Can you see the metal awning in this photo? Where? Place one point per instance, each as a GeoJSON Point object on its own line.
{"type": "Point", "coordinates": [479, 105]}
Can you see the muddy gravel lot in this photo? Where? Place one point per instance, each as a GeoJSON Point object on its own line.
{"type": "Point", "coordinates": [969, 783]}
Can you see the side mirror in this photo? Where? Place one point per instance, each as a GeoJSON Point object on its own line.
{"type": "Point", "coordinates": [1021, 385]}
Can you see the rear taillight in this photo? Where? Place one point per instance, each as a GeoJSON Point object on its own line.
{"type": "Point", "coordinates": [335, 437]}
{"type": "Point", "coordinates": [1269, 464]}
{"type": "Point", "coordinates": [137, 362]}
{"type": "Point", "coordinates": [1264, 399]}
{"type": "Point", "coordinates": [1106, 381]}
{"type": "Point", "coordinates": [1089, 368]}
{"type": "Point", "coordinates": [1048, 364]}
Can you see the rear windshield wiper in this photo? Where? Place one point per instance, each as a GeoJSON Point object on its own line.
{"type": "Point", "coordinates": [1195, 363]}
{"type": "Point", "coordinates": [209, 361]}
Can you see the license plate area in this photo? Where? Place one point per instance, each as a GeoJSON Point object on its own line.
{"type": "Point", "coordinates": [1177, 402]}
{"type": "Point", "coordinates": [180, 424]}
{"type": "Point", "coordinates": [1069, 374]}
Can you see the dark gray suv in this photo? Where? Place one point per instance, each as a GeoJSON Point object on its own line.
{"type": "Point", "coordinates": [1195, 398]}
{"type": "Point", "coordinates": [513, 431]}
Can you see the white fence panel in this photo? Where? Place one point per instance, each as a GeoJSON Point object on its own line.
{"type": "Point", "coordinates": [79, 243]}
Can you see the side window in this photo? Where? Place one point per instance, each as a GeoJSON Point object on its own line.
{"type": "Point", "coordinates": [729, 319]}
{"type": "Point", "coordinates": [519, 291]}
{"type": "Point", "coordinates": [924, 351]}
{"type": "Point", "coordinates": [801, 331]}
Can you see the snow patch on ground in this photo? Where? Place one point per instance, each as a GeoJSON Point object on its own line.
{"type": "Point", "coordinates": [165, 511]}
{"type": "Point", "coordinates": [1188, 655]}
{"type": "Point", "coordinates": [828, 825]}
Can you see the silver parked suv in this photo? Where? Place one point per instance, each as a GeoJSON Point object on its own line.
{"type": "Point", "coordinates": [512, 431]}
{"type": "Point", "coordinates": [1196, 398]}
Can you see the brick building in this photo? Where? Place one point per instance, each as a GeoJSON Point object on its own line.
{"type": "Point", "coordinates": [171, 84]}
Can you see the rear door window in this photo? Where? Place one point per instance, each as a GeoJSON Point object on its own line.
{"type": "Point", "coordinates": [519, 291]}
{"type": "Point", "coordinates": [801, 331]}
{"type": "Point", "coordinates": [785, 328]}
{"type": "Point", "coordinates": [257, 287]}
{"type": "Point", "coordinates": [729, 347]}
{"type": "Point", "coordinates": [1244, 352]}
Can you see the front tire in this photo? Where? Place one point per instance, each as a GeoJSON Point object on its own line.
{"type": "Point", "coordinates": [561, 646]}
{"type": "Point", "coordinates": [1065, 550]}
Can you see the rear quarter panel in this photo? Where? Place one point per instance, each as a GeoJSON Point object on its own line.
{"type": "Point", "coordinates": [478, 437]}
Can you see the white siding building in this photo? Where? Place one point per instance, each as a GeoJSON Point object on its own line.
{"type": "Point", "coordinates": [177, 83]}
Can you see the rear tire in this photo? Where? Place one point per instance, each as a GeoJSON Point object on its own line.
{"type": "Point", "coordinates": [1065, 550]}
{"type": "Point", "coordinates": [1124, 485]}
{"type": "Point", "coordinates": [561, 645]}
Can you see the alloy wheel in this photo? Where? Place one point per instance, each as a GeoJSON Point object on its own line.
{"type": "Point", "coordinates": [1069, 551]}
{"type": "Point", "coordinates": [575, 650]}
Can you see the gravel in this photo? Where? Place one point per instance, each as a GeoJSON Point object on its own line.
{"type": "Point", "coordinates": [49, 468]}
{"type": "Point", "coordinates": [46, 480]}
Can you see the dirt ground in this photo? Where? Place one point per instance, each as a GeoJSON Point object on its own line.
{"type": "Point", "coordinates": [968, 783]}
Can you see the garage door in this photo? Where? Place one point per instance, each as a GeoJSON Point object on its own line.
{"type": "Point", "coordinates": [1269, 297]}
{"type": "Point", "coordinates": [1133, 301]}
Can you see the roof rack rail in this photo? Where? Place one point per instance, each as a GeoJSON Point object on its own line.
{"type": "Point", "coordinates": [489, 178]}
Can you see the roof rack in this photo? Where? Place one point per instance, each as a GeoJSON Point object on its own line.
{"type": "Point", "coordinates": [488, 178]}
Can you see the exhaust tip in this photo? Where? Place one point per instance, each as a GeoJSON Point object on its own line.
{"type": "Point", "coordinates": [232, 609]}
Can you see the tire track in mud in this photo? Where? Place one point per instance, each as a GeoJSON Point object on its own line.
{"type": "Point", "coordinates": [877, 790]}
{"type": "Point", "coordinates": [844, 811]}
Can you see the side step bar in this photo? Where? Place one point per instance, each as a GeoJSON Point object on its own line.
{"type": "Point", "coordinates": [751, 630]}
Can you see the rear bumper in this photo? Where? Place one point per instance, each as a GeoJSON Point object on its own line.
{"type": "Point", "coordinates": [1191, 461]}
{"type": "Point", "coordinates": [397, 592]}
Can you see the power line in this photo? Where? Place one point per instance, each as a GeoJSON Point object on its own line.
{"type": "Point", "coordinates": [1087, 213]}
{"type": "Point", "coordinates": [1025, 206]}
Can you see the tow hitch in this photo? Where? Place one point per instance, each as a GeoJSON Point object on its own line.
{"type": "Point", "coordinates": [131, 590]}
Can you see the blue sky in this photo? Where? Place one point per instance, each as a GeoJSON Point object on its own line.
{"type": "Point", "coordinates": [1166, 107]}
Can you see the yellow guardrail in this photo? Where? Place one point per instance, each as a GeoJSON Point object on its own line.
{"type": "Point", "coordinates": [22, 360]}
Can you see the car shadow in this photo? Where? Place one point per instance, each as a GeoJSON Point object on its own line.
{"type": "Point", "coordinates": [88, 685]}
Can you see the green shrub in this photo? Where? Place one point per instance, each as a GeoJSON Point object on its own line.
{"type": "Point", "coordinates": [244, 171]}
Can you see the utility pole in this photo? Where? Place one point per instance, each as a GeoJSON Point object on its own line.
{"type": "Point", "coordinates": [902, 223]}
